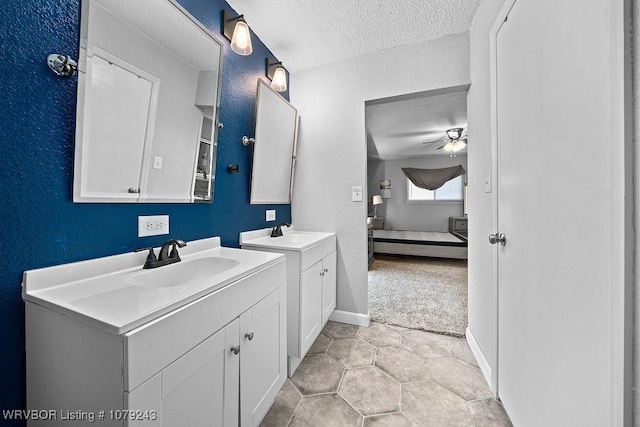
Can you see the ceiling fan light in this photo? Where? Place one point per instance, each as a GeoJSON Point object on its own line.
{"type": "Point", "coordinates": [457, 145]}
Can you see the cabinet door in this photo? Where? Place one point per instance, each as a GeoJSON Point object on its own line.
{"type": "Point", "coordinates": [329, 264]}
{"type": "Point", "coordinates": [263, 357]}
{"type": "Point", "coordinates": [310, 306]}
{"type": "Point", "coordinates": [201, 388]}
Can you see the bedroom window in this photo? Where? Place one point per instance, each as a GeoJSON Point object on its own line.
{"type": "Point", "coordinates": [450, 191]}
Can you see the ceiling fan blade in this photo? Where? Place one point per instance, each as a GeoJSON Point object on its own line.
{"type": "Point", "coordinates": [437, 140]}
{"type": "Point", "coordinates": [442, 146]}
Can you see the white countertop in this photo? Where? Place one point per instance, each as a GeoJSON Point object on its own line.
{"type": "Point", "coordinates": [105, 292]}
{"type": "Point", "coordinates": [290, 240]}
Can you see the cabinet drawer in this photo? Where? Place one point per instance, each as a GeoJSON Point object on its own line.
{"type": "Point", "coordinates": [310, 256]}
{"type": "Point", "coordinates": [151, 347]}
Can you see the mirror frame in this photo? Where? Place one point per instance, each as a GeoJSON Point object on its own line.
{"type": "Point", "coordinates": [263, 159]}
{"type": "Point", "coordinates": [81, 97]}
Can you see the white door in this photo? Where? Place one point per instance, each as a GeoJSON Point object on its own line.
{"type": "Point", "coordinates": [116, 111]}
{"type": "Point", "coordinates": [263, 360]}
{"type": "Point", "coordinates": [554, 153]}
{"type": "Point", "coordinates": [310, 306]}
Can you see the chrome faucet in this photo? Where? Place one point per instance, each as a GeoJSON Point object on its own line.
{"type": "Point", "coordinates": [164, 256]}
{"type": "Point", "coordinates": [277, 230]}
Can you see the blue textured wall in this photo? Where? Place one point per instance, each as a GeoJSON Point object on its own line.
{"type": "Point", "coordinates": [39, 224]}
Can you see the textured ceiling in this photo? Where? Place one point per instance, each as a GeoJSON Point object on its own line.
{"type": "Point", "coordinates": [398, 128]}
{"type": "Point", "coordinates": [309, 33]}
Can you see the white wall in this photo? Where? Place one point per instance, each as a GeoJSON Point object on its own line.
{"type": "Point", "coordinates": [400, 215]}
{"type": "Point", "coordinates": [332, 149]}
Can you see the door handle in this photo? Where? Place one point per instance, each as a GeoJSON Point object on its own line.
{"type": "Point", "coordinates": [501, 238]}
{"type": "Point", "coordinates": [249, 336]}
{"type": "Point", "coordinates": [235, 349]}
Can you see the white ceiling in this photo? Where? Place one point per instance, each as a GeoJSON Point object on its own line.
{"type": "Point", "coordinates": [309, 33]}
{"type": "Point", "coordinates": [397, 128]}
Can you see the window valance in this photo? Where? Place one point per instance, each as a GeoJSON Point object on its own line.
{"type": "Point", "coordinates": [431, 179]}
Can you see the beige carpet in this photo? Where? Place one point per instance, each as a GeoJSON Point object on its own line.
{"type": "Point", "coordinates": [419, 293]}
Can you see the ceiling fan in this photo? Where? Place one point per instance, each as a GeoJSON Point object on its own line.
{"type": "Point", "coordinates": [454, 141]}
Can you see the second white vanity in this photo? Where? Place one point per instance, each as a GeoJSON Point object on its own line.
{"type": "Point", "coordinates": [311, 282]}
{"type": "Point", "coordinates": [199, 342]}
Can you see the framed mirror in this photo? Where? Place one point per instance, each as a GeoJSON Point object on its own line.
{"type": "Point", "coordinates": [148, 98]}
{"type": "Point", "coordinates": [274, 148]}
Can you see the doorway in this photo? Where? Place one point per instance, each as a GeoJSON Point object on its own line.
{"type": "Point", "coordinates": [418, 275]}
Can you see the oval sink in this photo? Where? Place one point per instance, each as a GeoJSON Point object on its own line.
{"type": "Point", "coordinates": [294, 237]}
{"type": "Point", "coordinates": [183, 272]}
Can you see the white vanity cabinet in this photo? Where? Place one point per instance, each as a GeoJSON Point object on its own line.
{"type": "Point", "coordinates": [240, 366]}
{"type": "Point", "coordinates": [317, 301]}
{"type": "Point", "coordinates": [219, 359]}
{"type": "Point", "coordinates": [311, 283]}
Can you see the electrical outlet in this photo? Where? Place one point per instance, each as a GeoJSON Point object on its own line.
{"type": "Point", "coordinates": [270, 215]}
{"type": "Point", "coordinates": [153, 225]}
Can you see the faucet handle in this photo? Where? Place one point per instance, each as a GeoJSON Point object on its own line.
{"type": "Point", "coordinates": [151, 257]}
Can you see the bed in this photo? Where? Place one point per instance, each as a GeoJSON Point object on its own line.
{"type": "Point", "coordinates": [420, 243]}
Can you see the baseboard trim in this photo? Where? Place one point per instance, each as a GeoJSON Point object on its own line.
{"type": "Point", "coordinates": [482, 361]}
{"type": "Point", "coordinates": [351, 318]}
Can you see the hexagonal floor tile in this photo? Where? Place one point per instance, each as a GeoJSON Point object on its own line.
{"type": "Point", "coordinates": [402, 364]}
{"type": "Point", "coordinates": [461, 350]}
{"type": "Point", "coordinates": [395, 419]}
{"type": "Point", "coordinates": [370, 391]}
{"type": "Point", "coordinates": [320, 345]}
{"type": "Point", "coordinates": [429, 404]}
{"type": "Point", "coordinates": [426, 344]}
{"type": "Point", "coordinates": [283, 407]}
{"type": "Point", "coordinates": [340, 330]}
{"type": "Point", "coordinates": [317, 373]}
{"type": "Point", "coordinates": [489, 413]}
{"type": "Point", "coordinates": [380, 335]}
{"type": "Point", "coordinates": [465, 380]}
{"type": "Point", "coordinates": [325, 410]}
{"type": "Point", "coordinates": [351, 352]}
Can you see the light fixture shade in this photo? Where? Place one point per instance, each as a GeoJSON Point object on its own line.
{"type": "Point", "coordinates": [241, 39]}
{"type": "Point", "coordinates": [279, 82]}
{"type": "Point", "coordinates": [457, 145]}
{"type": "Point", "coordinates": [376, 200]}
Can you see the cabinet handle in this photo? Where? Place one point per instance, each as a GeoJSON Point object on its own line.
{"type": "Point", "coordinates": [249, 336]}
{"type": "Point", "coordinates": [322, 273]}
{"type": "Point", "coordinates": [326, 270]}
{"type": "Point", "coordinates": [235, 349]}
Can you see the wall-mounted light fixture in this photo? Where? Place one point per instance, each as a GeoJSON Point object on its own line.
{"type": "Point", "coordinates": [62, 65]}
{"type": "Point", "coordinates": [277, 74]}
{"type": "Point", "coordinates": [385, 188]}
{"type": "Point", "coordinates": [236, 30]}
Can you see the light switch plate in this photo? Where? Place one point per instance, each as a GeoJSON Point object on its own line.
{"type": "Point", "coordinates": [487, 181]}
{"type": "Point", "coordinates": [356, 193]}
{"type": "Point", "coordinates": [270, 214]}
{"type": "Point", "coordinates": [157, 162]}
{"type": "Point", "coordinates": [153, 225]}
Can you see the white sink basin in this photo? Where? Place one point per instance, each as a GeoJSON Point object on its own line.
{"type": "Point", "coordinates": [115, 294]}
{"type": "Point", "coordinates": [183, 272]}
{"type": "Point", "coordinates": [292, 239]}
